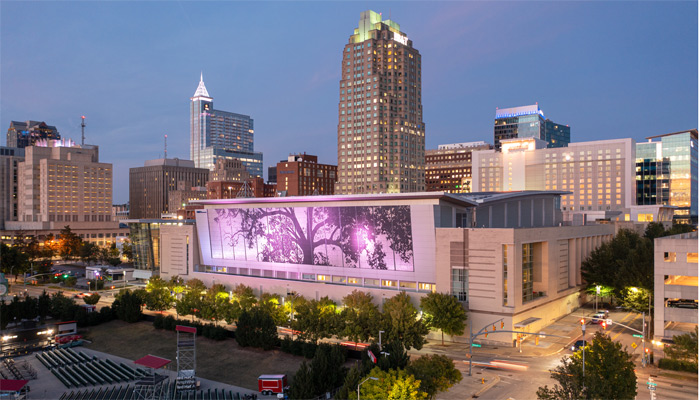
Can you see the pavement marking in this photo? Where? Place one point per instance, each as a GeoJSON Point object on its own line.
{"type": "Point", "coordinates": [622, 330]}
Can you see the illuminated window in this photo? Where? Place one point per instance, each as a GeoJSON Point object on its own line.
{"type": "Point", "coordinates": [426, 286]}
{"type": "Point", "coordinates": [669, 256]}
{"type": "Point", "coordinates": [692, 258]}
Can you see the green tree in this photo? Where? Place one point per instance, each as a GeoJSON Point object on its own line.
{"type": "Point", "coordinates": [395, 355]}
{"type": "Point", "coordinates": [636, 299]}
{"type": "Point", "coordinates": [445, 313]}
{"type": "Point", "coordinates": [352, 379]}
{"type": "Point", "coordinates": [327, 368]}
{"type": "Point", "coordinates": [395, 384]}
{"type": "Point", "coordinates": [401, 323]}
{"type": "Point", "coordinates": [317, 319]}
{"type": "Point", "coordinates": [128, 250]}
{"type": "Point", "coordinates": [684, 347]}
{"type": "Point", "coordinates": [609, 373]}
{"type": "Point", "coordinates": [89, 252]}
{"type": "Point", "coordinates": [215, 303]}
{"type": "Point", "coordinates": [129, 305]}
{"type": "Point", "coordinates": [271, 304]}
{"type": "Point", "coordinates": [191, 301]}
{"type": "Point", "coordinates": [44, 306]}
{"type": "Point", "coordinates": [69, 244]}
{"type": "Point", "coordinates": [360, 317]}
{"type": "Point", "coordinates": [158, 297]}
{"type": "Point", "coordinates": [654, 230]}
{"type": "Point", "coordinates": [92, 299]}
{"type": "Point", "coordinates": [256, 328]}
{"type": "Point", "coordinates": [436, 372]}
{"type": "Point", "coordinates": [302, 386]}
{"type": "Point", "coordinates": [70, 281]}
{"type": "Point", "coordinates": [625, 261]}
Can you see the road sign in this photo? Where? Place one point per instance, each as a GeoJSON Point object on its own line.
{"type": "Point", "coordinates": [636, 335]}
{"type": "Point", "coordinates": [652, 388]}
{"type": "Point", "coordinates": [634, 345]}
{"type": "Point", "coordinates": [608, 321]}
{"type": "Point", "coordinates": [651, 383]}
{"type": "Point", "coordinates": [476, 345]}
{"type": "Point", "coordinates": [469, 355]}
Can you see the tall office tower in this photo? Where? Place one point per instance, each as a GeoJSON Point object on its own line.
{"type": "Point", "coordinates": [381, 134]}
{"type": "Point", "coordinates": [598, 174]}
{"type": "Point", "coordinates": [528, 121]}
{"type": "Point", "coordinates": [23, 134]}
{"type": "Point", "coordinates": [449, 168]}
{"type": "Point", "coordinates": [667, 173]}
{"type": "Point", "coordinates": [216, 134]}
{"type": "Point", "coordinates": [9, 161]}
{"type": "Point", "coordinates": [150, 185]}
{"type": "Point", "coordinates": [302, 175]}
{"type": "Point", "coordinates": [62, 182]}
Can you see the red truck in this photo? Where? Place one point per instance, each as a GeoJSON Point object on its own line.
{"type": "Point", "coordinates": [269, 384]}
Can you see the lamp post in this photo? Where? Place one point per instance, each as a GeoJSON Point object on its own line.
{"type": "Point", "coordinates": [380, 340]}
{"type": "Point", "coordinates": [358, 386]}
{"type": "Point", "coordinates": [597, 292]}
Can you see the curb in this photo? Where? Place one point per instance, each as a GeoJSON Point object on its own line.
{"type": "Point", "coordinates": [488, 386]}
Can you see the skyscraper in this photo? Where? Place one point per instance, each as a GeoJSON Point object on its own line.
{"type": "Point", "coordinates": [23, 134]}
{"type": "Point", "coordinates": [667, 173]}
{"type": "Point", "coordinates": [381, 134]}
{"type": "Point", "coordinates": [216, 134]}
{"type": "Point", "coordinates": [528, 121]}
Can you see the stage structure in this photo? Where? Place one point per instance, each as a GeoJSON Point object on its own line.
{"type": "Point", "coordinates": [152, 386]}
{"type": "Point", "coordinates": [186, 358]}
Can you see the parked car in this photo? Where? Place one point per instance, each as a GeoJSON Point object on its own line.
{"type": "Point", "coordinates": [578, 345]}
{"type": "Point", "coordinates": [599, 317]}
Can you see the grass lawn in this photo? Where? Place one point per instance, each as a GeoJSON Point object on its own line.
{"type": "Point", "coordinates": [222, 361]}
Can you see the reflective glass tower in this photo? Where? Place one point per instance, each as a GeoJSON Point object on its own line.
{"type": "Point", "coordinates": [529, 121]}
{"type": "Point", "coordinates": [218, 134]}
{"type": "Point", "coordinates": [667, 173]}
{"type": "Point", "coordinates": [381, 134]}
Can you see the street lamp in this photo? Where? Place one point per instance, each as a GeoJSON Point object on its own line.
{"type": "Point", "coordinates": [380, 340]}
{"type": "Point", "coordinates": [597, 292]}
{"type": "Point", "coordinates": [358, 386]}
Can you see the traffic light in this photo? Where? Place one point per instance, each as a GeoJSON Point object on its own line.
{"type": "Point", "coordinates": [537, 340]}
{"type": "Point", "coordinates": [604, 325]}
{"type": "Point", "coordinates": [494, 327]}
{"type": "Point", "coordinates": [583, 321]}
{"type": "Point", "coordinates": [501, 324]}
{"type": "Point", "coordinates": [486, 334]}
{"type": "Point", "coordinates": [65, 276]}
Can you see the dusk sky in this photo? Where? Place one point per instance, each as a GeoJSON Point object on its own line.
{"type": "Point", "coordinates": [607, 69]}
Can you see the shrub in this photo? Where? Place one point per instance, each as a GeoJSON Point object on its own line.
{"type": "Point", "coordinates": [678, 365]}
{"type": "Point", "coordinates": [286, 344]}
{"type": "Point", "coordinates": [297, 347]}
{"type": "Point", "coordinates": [309, 349]}
{"type": "Point", "coordinates": [158, 322]}
{"type": "Point", "coordinates": [170, 322]}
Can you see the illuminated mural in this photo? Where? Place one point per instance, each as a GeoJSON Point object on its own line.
{"type": "Point", "coordinates": [350, 237]}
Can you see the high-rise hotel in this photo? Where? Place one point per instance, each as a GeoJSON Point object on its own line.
{"type": "Point", "coordinates": [381, 134]}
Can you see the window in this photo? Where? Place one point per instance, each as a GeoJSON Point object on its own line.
{"type": "Point", "coordinates": [692, 258]}
{"type": "Point", "coordinates": [528, 264]}
{"type": "Point", "coordinates": [388, 283]}
{"type": "Point", "coordinates": [339, 279]}
{"type": "Point", "coordinates": [371, 282]}
{"type": "Point", "coordinates": [460, 284]}
{"type": "Point", "coordinates": [407, 285]}
{"type": "Point", "coordinates": [669, 256]}
{"type": "Point", "coordinates": [308, 277]}
{"type": "Point", "coordinates": [426, 286]}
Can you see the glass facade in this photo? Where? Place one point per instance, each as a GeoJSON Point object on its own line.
{"type": "Point", "coordinates": [528, 267]}
{"type": "Point", "coordinates": [220, 134]}
{"type": "Point", "coordinates": [667, 173]}
{"type": "Point", "coordinates": [529, 121]}
{"type": "Point", "coordinates": [505, 275]}
{"type": "Point", "coordinates": [460, 284]}
{"type": "Point", "coordinates": [145, 241]}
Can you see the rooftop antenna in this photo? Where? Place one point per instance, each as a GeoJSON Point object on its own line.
{"type": "Point", "coordinates": [166, 146]}
{"type": "Point", "coordinates": [82, 128]}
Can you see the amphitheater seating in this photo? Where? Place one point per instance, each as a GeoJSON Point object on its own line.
{"type": "Point", "coordinates": [128, 393]}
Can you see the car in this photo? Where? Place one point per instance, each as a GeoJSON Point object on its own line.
{"type": "Point", "coordinates": [599, 317]}
{"type": "Point", "coordinates": [81, 295]}
{"type": "Point", "coordinates": [578, 345]}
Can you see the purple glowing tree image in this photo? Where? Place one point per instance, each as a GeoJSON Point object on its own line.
{"type": "Point", "coordinates": [352, 237]}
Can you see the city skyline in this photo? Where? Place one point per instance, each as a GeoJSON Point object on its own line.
{"type": "Point", "coordinates": [131, 69]}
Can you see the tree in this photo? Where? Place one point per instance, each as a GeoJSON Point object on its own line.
{"type": "Point", "coordinates": [92, 299]}
{"type": "Point", "coordinates": [352, 379]}
{"type": "Point", "coordinates": [360, 317]}
{"type": "Point", "coordinates": [625, 261]}
{"type": "Point", "coordinates": [271, 304]}
{"type": "Point", "coordinates": [317, 319]}
{"type": "Point", "coordinates": [394, 384]}
{"type": "Point", "coordinates": [636, 299]}
{"type": "Point", "coordinates": [215, 303]}
{"type": "Point", "coordinates": [445, 313]}
{"type": "Point", "coordinates": [44, 306]}
{"type": "Point", "coordinates": [327, 368]}
{"type": "Point", "coordinates": [129, 305]}
{"type": "Point", "coordinates": [69, 244]}
{"type": "Point", "coordinates": [256, 328]}
{"type": "Point", "coordinates": [302, 386]}
{"type": "Point", "coordinates": [401, 323]}
{"type": "Point", "coordinates": [395, 357]}
{"type": "Point", "coordinates": [609, 373]}
{"type": "Point", "coordinates": [89, 252]}
{"type": "Point", "coordinates": [684, 347]}
{"type": "Point", "coordinates": [191, 301]}
{"type": "Point", "coordinates": [654, 230]}
{"type": "Point", "coordinates": [436, 373]}
{"type": "Point", "coordinates": [340, 236]}
{"type": "Point", "coordinates": [158, 297]}
{"type": "Point", "coordinates": [128, 251]}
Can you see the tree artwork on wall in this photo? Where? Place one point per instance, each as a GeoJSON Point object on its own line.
{"type": "Point", "coordinates": [350, 237]}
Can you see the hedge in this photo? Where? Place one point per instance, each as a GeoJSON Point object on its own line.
{"type": "Point", "coordinates": [678, 365]}
{"type": "Point", "coordinates": [210, 331]}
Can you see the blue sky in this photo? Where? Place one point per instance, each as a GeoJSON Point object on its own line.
{"type": "Point", "coordinates": [607, 69]}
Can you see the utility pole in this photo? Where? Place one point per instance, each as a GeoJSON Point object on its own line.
{"type": "Point", "coordinates": [644, 344]}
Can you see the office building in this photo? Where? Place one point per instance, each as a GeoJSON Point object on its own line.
{"type": "Point", "coordinates": [528, 121]}
{"type": "Point", "coordinates": [667, 173]}
{"type": "Point", "coordinates": [253, 187]}
{"type": "Point", "coordinates": [381, 134]}
{"type": "Point", "coordinates": [229, 170]}
{"type": "Point", "coordinates": [675, 285]}
{"type": "Point", "coordinates": [449, 168]}
{"type": "Point", "coordinates": [150, 185]}
{"type": "Point", "coordinates": [23, 134]}
{"type": "Point", "coordinates": [144, 235]}
{"type": "Point", "coordinates": [63, 184]}
{"type": "Point", "coordinates": [302, 175]}
{"type": "Point", "coordinates": [10, 158]}
{"type": "Point", "coordinates": [216, 134]}
{"type": "Point", "coordinates": [598, 174]}
{"type": "Point", "coordinates": [179, 199]}
{"type": "Point", "coordinates": [272, 175]}
{"type": "Point", "coordinates": [521, 265]}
